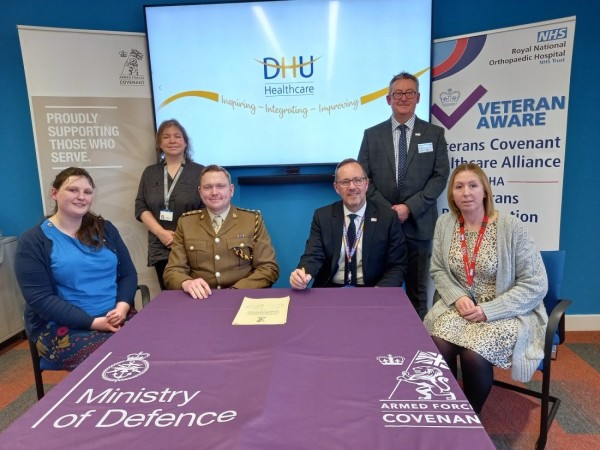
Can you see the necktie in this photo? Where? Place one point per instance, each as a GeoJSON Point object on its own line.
{"type": "Point", "coordinates": [217, 222]}
{"type": "Point", "coordinates": [402, 151]}
{"type": "Point", "coordinates": [351, 238]}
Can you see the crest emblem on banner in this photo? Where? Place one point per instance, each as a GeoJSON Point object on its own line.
{"type": "Point", "coordinates": [133, 367]}
{"type": "Point", "coordinates": [426, 373]}
{"type": "Point", "coordinates": [130, 73]}
{"type": "Point", "coordinates": [423, 397]}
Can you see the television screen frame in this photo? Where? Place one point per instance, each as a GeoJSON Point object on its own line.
{"type": "Point", "coordinates": [284, 82]}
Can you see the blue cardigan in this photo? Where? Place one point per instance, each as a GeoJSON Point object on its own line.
{"type": "Point", "coordinates": [35, 277]}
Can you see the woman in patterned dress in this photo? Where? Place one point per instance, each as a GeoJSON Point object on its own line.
{"type": "Point", "coordinates": [75, 274]}
{"type": "Point", "coordinates": [491, 282]}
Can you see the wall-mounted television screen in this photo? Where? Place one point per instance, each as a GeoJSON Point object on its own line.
{"type": "Point", "coordinates": [290, 82]}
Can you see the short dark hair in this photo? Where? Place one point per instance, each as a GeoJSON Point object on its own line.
{"type": "Point", "coordinates": [346, 162]}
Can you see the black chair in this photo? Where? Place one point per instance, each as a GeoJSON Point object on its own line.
{"type": "Point", "coordinates": [145, 293]}
{"type": "Point", "coordinates": [555, 335]}
{"type": "Point", "coordinates": [41, 364]}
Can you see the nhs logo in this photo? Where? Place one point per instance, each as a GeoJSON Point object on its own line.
{"type": "Point", "coordinates": [552, 35]}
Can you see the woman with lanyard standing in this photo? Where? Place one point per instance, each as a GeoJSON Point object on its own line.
{"type": "Point", "coordinates": [167, 190]}
{"type": "Point", "coordinates": [491, 283]}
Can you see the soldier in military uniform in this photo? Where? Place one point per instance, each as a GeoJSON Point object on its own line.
{"type": "Point", "coordinates": [221, 246]}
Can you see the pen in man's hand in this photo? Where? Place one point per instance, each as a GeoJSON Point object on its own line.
{"type": "Point", "coordinates": [304, 272]}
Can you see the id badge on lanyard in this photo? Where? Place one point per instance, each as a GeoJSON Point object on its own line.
{"type": "Point", "coordinates": [166, 214]}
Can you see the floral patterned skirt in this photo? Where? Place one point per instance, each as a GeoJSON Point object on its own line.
{"type": "Point", "coordinates": [494, 340]}
{"type": "Point", "coordinates": [65, 348]}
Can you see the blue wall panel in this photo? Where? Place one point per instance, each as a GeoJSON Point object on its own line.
{"type": "Point", "coordinates": [288, 208]}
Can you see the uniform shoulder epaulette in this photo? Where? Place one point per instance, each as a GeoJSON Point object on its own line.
{"type": "Point", "coordinates": [253, 211]}
{"type": "Point", "coordinates": [191, 213]}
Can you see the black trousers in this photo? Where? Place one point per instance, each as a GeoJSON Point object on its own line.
{"type": "Point", "coordinates": [417, 276]}
{"type": "Point", "coordinates": [160, 269]}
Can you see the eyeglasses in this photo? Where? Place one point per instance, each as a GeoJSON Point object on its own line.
{"type": "Point", "coordinates": [397, 95]}
{"type": "Point", "coordinates": [358, 182]}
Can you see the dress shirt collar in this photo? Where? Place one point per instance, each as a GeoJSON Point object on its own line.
{"type": "Point", "coordinates": [359, 213]}
{"type": "Point", "coordinates": [410, 123]}
{"type": "Point", "coordinates": [223, 214]}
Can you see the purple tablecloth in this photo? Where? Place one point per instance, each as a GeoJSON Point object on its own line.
{"type": "Point", "coordinates": [351, 369]}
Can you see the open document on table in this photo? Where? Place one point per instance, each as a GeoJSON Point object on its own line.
{"type": "Point", "coordinates": [262, 311]}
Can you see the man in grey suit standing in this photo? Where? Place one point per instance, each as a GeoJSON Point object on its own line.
{"type": "Point", "coordinates": [406, 160]}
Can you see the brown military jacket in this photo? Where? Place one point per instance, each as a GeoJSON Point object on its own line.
{"type": "Point", "coordinates": [239, 256]}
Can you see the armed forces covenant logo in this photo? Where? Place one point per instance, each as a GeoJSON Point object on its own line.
{"type": "Point", "coordinates": [421, 395]}
{"type": "Point", "coordinates": [130, 73]}
{"type": "Point", "coordinates": [425, 372]}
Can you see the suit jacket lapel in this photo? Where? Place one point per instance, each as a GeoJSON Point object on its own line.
{"type": "Point", "coordinates": [415, 139]}
{"type": "Point", "coordinates": [387, 135]}
{"type": "Point", "coordinates": [368, 232]}
{"type": "Point", "coordinates": [205, 223]}
{"type": "Point", "coordinates": [337, 227]}
{"type": "Point", "coordinates": [229, 221]}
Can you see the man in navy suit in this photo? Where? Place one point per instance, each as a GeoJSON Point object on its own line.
{"type": "Point", "coordinates": [369, 252]}
{"type": "Point", "coordinates": [406, 160]}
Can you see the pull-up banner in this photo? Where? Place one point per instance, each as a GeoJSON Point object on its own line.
{"type": "Point", "coordinates": [503, 98]}
{"type": "Point", "coordinates": [89, 95]}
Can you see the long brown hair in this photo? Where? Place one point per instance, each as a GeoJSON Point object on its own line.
{"type": "Point", "coordinates": [488, 201]}
{"type": "Point", "coordinates": [91, 231]}
{"type": "Point", "coordinates": [187, 153]}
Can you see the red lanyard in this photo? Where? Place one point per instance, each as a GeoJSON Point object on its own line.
{"type": "Point", "coordinates": [470, 265]}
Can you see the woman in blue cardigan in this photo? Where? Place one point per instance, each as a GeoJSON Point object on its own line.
{"type": "Point", "coordinates": [76, 275]}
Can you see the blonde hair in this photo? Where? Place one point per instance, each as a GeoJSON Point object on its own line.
{"type": "Point", "coordinates": [488, 200]}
